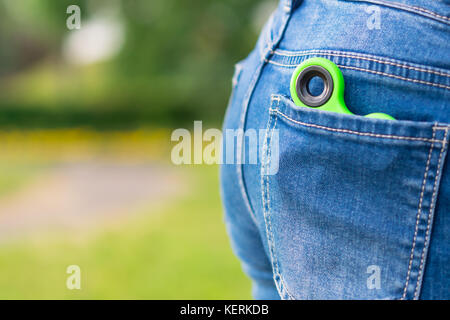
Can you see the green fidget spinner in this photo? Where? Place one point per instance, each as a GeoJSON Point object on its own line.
{"type": "Point", "coordinates": [332, 96]}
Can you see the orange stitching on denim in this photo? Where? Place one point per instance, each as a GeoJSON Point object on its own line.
{"type": "Point", "coordinates": [356, 56]}
{"type": "Point", "coordinates": [398, 77]}
{"type": "Point", "coordinates": [266, 203]}
{"type": "Point", "coordinates": [264, 190]}
{"type": "Point", "coordinates": [419, 212]}
{"type": "Point", "coordinates": [427, 233]}
{"type": "Point", "coordinates": [376, 135]}
{"type": "Point", "coordinates": [375, 72]}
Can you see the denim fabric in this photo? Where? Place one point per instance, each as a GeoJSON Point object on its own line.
{"type": "Point", "coordinates": [353, 198]}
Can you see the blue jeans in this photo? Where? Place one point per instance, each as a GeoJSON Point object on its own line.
{"type": "Point", "coordinates": [356, 208]}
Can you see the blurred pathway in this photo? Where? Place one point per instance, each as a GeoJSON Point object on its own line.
{"type": "Point", "coordinates": [76, 195]}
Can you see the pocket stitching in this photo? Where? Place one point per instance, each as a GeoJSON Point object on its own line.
{"type": "Point", "coordinates": [376, 135]}
{"type": "Point", "coordinates": [283, 290]}
{"type": "Point", "coordinates": [353, 55]}
{"type": "Point", "coordinates": [430, 214]}
{"type": "Point", "coordinates": [274, 110]}
{"type": "Point", "coordinates": [419, 211]}
{"type": "Point", "coordinates": [438, 85]}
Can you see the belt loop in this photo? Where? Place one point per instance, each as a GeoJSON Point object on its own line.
{"type": "Point", "coordinates": [284, 13]}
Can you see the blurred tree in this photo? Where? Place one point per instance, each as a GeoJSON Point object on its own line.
{"type": "Point", "coordinates": [174, 66]}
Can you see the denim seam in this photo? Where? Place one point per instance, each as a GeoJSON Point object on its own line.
{"type": "Point", "coordinates": [239, 67]}
{"type": "Point", "coordinates": [419, 211]}
{"type": "Point", "coordinates": [264, 190]}
{"type": "Point", "coordinates": [374, 72]}
{"type": "Point", "coordinates": [269, 220]}
{"type": "Point", "coordinates": [246, 102]}
{"type": "Point", "coordinates": [413, 9]}
{"type": "Point", "coordinates": [430, 215]}
{"type": "Point", "coordinates": [376, 135]}
{"type": "Point", "coordinates": [282, 288]}
{"type": "Point", "coordinates": [337, 53]}
{"type": "Point", "coordinates": [267, 37]}
{"type": "Point", "coordinates": [239, 152]}
{"type": "Point", "coordinates": [397, 77]}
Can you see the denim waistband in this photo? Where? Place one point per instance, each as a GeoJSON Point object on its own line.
{"type": "Point", "coordinates": [438, 10]}
{"type": "Point", "coordinates": [426, 72]}
{"type": "Point", "coordinates": [381, 66]}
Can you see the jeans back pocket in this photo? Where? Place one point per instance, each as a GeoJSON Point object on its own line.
{"type": "Point", "coordinates": [349, 212]}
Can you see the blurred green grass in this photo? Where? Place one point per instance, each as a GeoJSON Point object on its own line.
{"type": "Point", "coordinates": [12, 179]}
{"type": "Point", "coordinates": [174, 62]}
{"type": "Point", "coordinates": [175, 250]}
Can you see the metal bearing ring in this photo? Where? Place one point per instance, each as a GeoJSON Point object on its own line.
{"type": "Point", "coordinates": [302, 82]}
